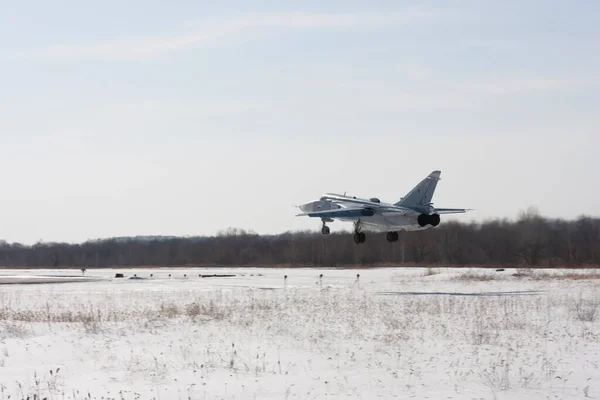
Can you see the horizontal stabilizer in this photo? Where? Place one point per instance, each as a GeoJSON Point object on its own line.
{"type": "Point", "coordinates": [451, 210]}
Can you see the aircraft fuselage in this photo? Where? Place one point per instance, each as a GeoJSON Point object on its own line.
{"type": "Point", "coordinates": [374, 222]}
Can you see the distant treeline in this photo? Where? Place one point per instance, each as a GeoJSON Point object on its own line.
{"type": "Point", "coordinates": [530, 240]}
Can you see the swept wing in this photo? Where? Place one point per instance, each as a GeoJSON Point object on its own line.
{"type": "Point", "coordinates": [355, 212]}
{"type": "Point", "coordinates": [450, 210]}
{"type": "Point", "coordinates": [357, 208]}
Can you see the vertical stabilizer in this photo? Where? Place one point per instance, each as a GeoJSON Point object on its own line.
{"type": "Point", "coordinates": [421, 194]}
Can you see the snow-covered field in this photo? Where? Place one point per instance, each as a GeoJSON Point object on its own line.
{"type": "Point", "coordinates": [391, 333]}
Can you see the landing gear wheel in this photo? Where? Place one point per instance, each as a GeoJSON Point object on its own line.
{"type": "Point", "coordinates": [392, 236]}
{"type": "Point", "coordinates": [422, 220]}
{"type": "Point", "coordinates": [325, 229]}
{"type": "Point", "coordinates": [359, 237]}
{"type": "Point", "coordinates": [435, 219]}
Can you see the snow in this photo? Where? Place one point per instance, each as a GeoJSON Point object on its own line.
{"type": "Point", "coordinates": [391, 333]}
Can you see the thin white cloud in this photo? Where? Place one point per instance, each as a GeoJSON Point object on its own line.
{"type": "Point", "coordinates": [207, 108]}
{"type": "Point", "coordinates": [509, 86]}
{"type": "Point", "coordinates": [417, 88]}
{"type": "Point", "coordinates": [211, 31]}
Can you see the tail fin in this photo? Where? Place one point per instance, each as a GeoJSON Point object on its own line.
{"type": "Point", "coordinates": [421, 194]}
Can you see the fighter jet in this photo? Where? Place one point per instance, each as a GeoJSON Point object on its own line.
{"type": "Point", "coordinates": [415, 211]}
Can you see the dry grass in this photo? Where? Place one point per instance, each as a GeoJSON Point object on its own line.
{"type": "Point", "coordinates": [576, 276]}
{"type": "Point", "coordinates": [585, 309]}
{"type": "Point", "coordinates": [495, 341]}
{"type": "Point", "coordinates": [431, 271]}
{"type": "Point", "coordinates": [474, 276]}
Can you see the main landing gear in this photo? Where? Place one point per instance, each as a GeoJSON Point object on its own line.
{"type": "Point", "coordinates": [359, 237]}
{"type": "Point", "coordinates": [325, 229]}
{"type": "Point", "coordinates": [392, 237]}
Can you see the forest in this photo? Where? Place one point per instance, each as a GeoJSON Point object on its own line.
{"type": "Point", "coordinates": [529, 240]}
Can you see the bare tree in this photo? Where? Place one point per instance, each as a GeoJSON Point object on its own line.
{"type": "Point", "coordinates": [531, 239]}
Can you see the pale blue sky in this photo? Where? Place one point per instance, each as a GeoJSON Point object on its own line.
{"type": "Point", "coordinates": [185, 118]}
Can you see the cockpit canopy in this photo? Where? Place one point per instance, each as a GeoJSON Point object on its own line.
{"type": "Point", "coordinates": [374, 200]}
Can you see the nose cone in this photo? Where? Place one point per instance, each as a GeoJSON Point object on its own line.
{"type": "Point", "coordinates": [306, 207]}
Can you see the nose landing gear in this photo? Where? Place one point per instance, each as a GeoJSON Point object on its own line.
{"type": "Point", "coordinates": [359, 237]}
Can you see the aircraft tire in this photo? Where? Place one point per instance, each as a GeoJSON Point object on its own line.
{"type": "Point", "coordinates": [435, 219]}
{"type": "Point", "coordinates": [392, 236]}
{"type": "Point", "coordinates": [325, 230]}
{"type": "Point", "coordinates": [359, 237]}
